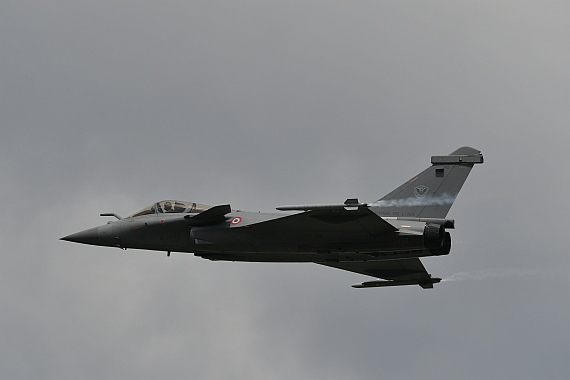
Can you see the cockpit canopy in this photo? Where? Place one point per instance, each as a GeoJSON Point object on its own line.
{"type": "Point", "coordinates": [171, 207]}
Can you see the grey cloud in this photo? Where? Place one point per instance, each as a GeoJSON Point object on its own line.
{"type": "Point", "coordinates": [109, 106]}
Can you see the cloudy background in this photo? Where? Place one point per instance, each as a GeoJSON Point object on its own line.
{"type": "Point", "coordinates": [108, 106]}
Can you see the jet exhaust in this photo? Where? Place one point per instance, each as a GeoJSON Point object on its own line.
{"type": "Point", "coordinates": [488, 274]}
{"type": "Point", "coordinates": [444, 199]}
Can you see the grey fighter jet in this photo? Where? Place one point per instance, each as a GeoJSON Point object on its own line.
{"type": "Point", "coordinates": [382, 239]}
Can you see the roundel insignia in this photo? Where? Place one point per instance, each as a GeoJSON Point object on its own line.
{"type": "Point", "coordinates": [236, 220]}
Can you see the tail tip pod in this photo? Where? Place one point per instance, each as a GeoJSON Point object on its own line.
{"type": "Point", "coordinates": [465, 155]}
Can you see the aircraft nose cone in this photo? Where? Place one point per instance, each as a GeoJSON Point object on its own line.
{"type": "Point", "coordinates": [90, 236]}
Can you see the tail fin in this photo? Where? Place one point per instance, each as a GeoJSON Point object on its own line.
{"type": "Point", "coordinates": [431, 193]}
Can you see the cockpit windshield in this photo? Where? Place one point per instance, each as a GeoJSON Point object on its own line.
{"type": "Point", "coordinates": [171, 207]}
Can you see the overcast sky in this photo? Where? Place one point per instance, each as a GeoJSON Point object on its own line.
{"type": "Point", "coordinates": [108, 106]}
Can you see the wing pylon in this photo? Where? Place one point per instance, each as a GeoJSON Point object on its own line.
{"type": "Point", "coordinates": [394, 272]}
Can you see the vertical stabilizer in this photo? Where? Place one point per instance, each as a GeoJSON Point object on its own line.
{"type": "Point", "coordinates": [431, 193]}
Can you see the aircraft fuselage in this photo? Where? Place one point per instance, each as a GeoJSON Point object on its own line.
{"type": "Point", "coordinates": [235, 240]}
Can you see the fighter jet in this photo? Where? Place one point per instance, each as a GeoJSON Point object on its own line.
{"type": "Point", "coordinates": [383, 239]}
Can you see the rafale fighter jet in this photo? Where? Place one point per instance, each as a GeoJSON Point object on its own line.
{"type": "Point", "coordinates": [383, 239]}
